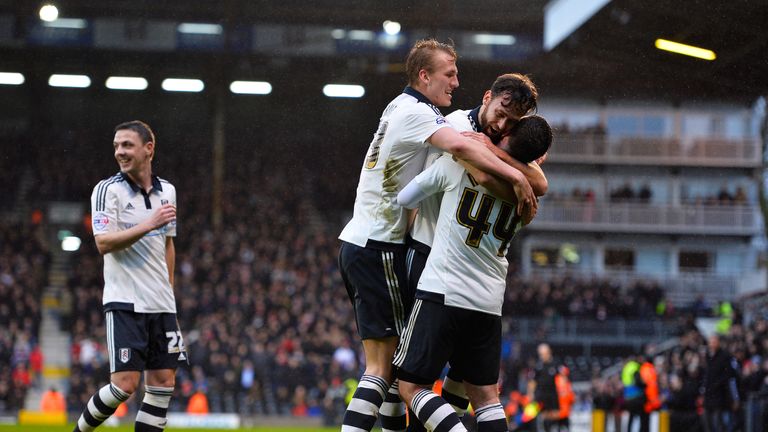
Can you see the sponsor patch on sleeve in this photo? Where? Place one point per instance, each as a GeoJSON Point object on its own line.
{"type": "Point", "coordinates": [440, 120]}
{"type": "Point", "coordinates": [100, 221]}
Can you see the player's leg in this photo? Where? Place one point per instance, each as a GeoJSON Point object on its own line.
{"type": "Point", "coordinates": [424, 348]}
{"type": "Point", "coordinates": [455, 392]}
{"type": "Point", "coordinates": [416, 260]}
{"type": "Point", "coordinates": [488, 410]}
{"type": "Point", "coordinates": [392, 411]}
{"type": "Point", "coordinates": [166, 350]}
{"type": "Point", "coordinates": [158, 389]}
{"type": "Point", "coordinates": [478, 361]}
{"type": "Point", "coordinates": [125, 345]}
{"type": "Point", "coordinates": [373, 279]}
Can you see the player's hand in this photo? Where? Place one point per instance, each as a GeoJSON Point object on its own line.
{"type": "Point", "coordinates": [479, 137]}
{"type": "Point", "coordinates": [525, 195]}
{"type": "Point", "coordinates": [529, 212]}
{"type": "Point", "coordinates": [162, 216]}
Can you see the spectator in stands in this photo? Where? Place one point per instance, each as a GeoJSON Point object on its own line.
{"type": "Point", "coordinates": [721, 394]}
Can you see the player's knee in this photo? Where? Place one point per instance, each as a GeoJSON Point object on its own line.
{"type": "Point", "coordinates": [127, 383]}
{"type": "Point", "coordinates": [482, 396]}
{"type": "Point", "coordinates": [407, 390]}
{"type": "Point", "coordinates": [163, 378]}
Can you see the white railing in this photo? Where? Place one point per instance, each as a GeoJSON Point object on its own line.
{"type": "Point", "coordinates": [681, 289]}
{"type": "Point", "coordinates": [595, 148]}
{"type": "Point", "coordinates": [557, 215]}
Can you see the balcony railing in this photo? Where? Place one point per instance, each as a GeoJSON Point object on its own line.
{"type": "Point", "coordinates": [739, 220]}
{"type": "Point", "coordinates": [680, 290]}
{"type": "Point", "coordinates": [599, 149]}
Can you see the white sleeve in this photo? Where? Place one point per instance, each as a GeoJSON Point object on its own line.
{"type": "Point", "coordinates": [419, 124]}
{"type": "Point", "coordinates": [443, 175]}
{"type": "Point", "coordinates": [171, 227]}
{"type": "Point", "coordinates": [411, 195]}
{"type": "Point", "coordinates": [103, 209]}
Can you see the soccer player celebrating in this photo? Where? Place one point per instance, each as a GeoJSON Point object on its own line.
{"type": "Point", "coordinates": [456, 317]}
{"type": "Point", "coordinates": [134, 222]}
{"type": "Point", "coordinates": [372, 253]}
{"type": "Point", "coordinates": [505, 100]}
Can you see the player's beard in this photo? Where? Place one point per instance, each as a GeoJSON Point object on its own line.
{"type": "Point", "coordinates": [487, 130]}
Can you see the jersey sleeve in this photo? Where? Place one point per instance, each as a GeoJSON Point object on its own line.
{"type": "Point", "coordinates": [420, 123]}
{"type": "Point", "coordinates": [103, 209]}
{"type": "Point", "coordinates": [171, 229]}
{"type": "Point", "coordinates": [443, 175]}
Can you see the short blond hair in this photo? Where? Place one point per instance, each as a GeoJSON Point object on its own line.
{"type": "Point", "coordinates": [421, 57]}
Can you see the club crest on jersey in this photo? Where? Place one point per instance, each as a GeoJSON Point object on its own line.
{"type": "Point", "coordinates": [163, 201]}
{"type": "Point", "coordinates": [100, 221]}
{"type": "Point", "coordinates": [125, 354]}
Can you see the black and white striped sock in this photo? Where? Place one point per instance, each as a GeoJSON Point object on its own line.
{"type": "Point", "coordinates": [364, 407]}
{"type": "Point", "coordinates": [393, 411]}
{"type": "Point", "coordinates": [101, 405]}
{"type": "Point", "coordinates": [491, 418]}
{"type": "Point", "coordinates": [152, 416]}
{"type": "Point", "coordinates": [455, 394]}
{"type": "Point", "coordinates": [435, 413]}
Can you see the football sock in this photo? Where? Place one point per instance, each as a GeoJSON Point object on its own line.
{"type": "Point", "coordinates": [364, 407]}
{"type": "Point", "coordinates": [435, 413]}
{"type": "Point", "coordinates": [455, 394]}
{"type": "Point", "coordinates": [491, 418]}
{"type": "Point", "coordinates": [393, 411]}
{"type": "Point", "coordinates": [101, 405]}
{"type": "Point", "coordinates": [152, 416]}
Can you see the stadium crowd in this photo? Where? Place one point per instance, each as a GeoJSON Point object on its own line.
{"type": "Point", "coordinates": [24, 262]}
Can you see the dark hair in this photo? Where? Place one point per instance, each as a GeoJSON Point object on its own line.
{"type": "Point", "coordinates": [141, 128]}
{"type": "Point", "coordinates": [421, 57]}
{"type": "Point", "coordinates": [530, 138]}
{"type": "Point", "coordinates": [516, 90]}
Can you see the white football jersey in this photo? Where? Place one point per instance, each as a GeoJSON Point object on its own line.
{"type": "Point", "coordinates": [135, 278]}
{"type": "Point", "coordinates": [394, 157]}
{"type": "Point", "coordinates": [467, 266]}
{"type": "Point", "coordinates": [423, 229]}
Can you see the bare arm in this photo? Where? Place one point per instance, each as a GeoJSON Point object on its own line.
{"type": "Point", "coordinates": [170, 257]}
{"type": "Point", "coordinates": [532, 171]}
{"type": "Point", "coordinates": [480, 157]}
{"type": "Point", "coordinates": [119, 240]}
{"type": "Point", "coordinates": [501, 189]}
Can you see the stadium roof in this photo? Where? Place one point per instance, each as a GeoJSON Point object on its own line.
{"type": "Point", "coordinates": [610, 55]}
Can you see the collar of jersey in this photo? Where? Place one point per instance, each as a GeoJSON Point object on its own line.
{"type": "Point", "coordinates": [474, 119]}
{"type": "Point", "coordinates": [417, 94]}
{"type": "Point", "coordinates": [155, 183]}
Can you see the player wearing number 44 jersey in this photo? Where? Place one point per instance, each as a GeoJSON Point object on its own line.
{"type": "Point", "coordinates": [134, 222]}
{"type": "Point", "coordinates": [456, 317]}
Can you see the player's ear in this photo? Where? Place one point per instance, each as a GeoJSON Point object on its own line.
{"type": "Point", "coordinates": [150, 148]}
{"type": "Point", "coordinates": [487, 97]}
{"type": "Point", "coordinates": [424, 76]}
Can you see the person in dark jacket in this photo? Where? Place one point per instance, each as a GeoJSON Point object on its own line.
{"type": "Point", "coordinates": [721, 394]}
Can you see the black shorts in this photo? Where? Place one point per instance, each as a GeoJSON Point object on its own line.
{"type": "Point", "coordinates": [143, 341]}
{"type": "Point", "coordinates": [416, 260]}
{"type": "Point", "coordinates": [373, 279]}
{"type": "Point", "coordinates": [469, 340]}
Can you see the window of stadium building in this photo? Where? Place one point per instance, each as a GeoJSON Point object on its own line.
{"type": "Point", "coordinates": [563, 256]}
{"type": "Point", "coordinates": [695, 261]}
{"type": "Point", "coordinates": [619, 259]}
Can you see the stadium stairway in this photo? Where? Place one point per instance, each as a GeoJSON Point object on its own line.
{"type": "Point", "coordinates": [54, 343]}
